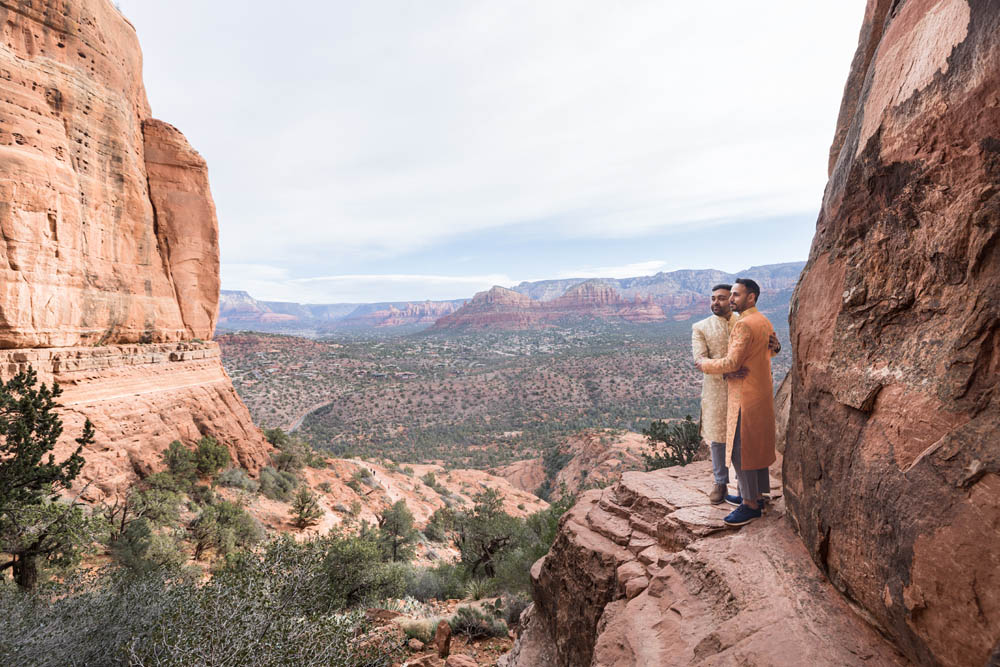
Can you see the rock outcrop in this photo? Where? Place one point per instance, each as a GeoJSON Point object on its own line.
{"type": "Point", "coordinates": [141, 397]}
{"type": "Point", "coordinates": [892, 468]}
{"type": "Point", "coordinates": [645, 573]}
{"type": "Point", "coordinates": [109, 256]}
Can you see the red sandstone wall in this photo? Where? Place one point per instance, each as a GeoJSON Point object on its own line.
{"type": "Point", "coordinates": [892, 467]}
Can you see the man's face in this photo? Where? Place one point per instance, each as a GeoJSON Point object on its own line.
{"type": "Point", "coordinates": [720, 303]}
{"type": "Point", "coordinates": [741, 299]}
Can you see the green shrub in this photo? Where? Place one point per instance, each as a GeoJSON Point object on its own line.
{"type": "Point", "coordinates": [477, 589]}
{"type": "Point", "coordinates": [418, 628]}
{"type": "Point", "coordinates": [353, 573]}
{"type": "Point", "coordinates": [441, 582]}
{"type": "Point", "coordinates": [441, 521]}
{"type": "Point", "coordinates": [223, 527]}
{"type": "Point", "coordinates": [237, 478]}
{"type": "Point", "coordinates": [201, 494]}
{"type": "Point", "coordinates": [306, 510]}
{"type": "Point", "coordinates": [141, 549]}
{"type": "Point", "coordinates": [165, 481]}
{"type": "Point", "coordinates": [181, 463]}
{"type": "Point", "coordinates": [210, 456]}
{"type": "Point", "coordinates": [159, 505]}
{"type": "Point", "coordinates": [277, 485]}
{"type": "Point", "coordinates": [476, 624]}
{"type": "Point", "coordinates": [672, 443]}
{"type": "Point", "coordinates": [253, 611]}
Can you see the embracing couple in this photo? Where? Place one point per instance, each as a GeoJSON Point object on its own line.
{"type": "Point", "coordinates": [733, 348]}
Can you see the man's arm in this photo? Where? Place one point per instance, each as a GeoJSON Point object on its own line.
{"type": "Point", "coordinates": [699, 345]}
{"type": "Point", "coordinates": [739, 347]}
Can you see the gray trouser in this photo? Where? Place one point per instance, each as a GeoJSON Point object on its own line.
{"type": "Point", "coordinates": [719, 468]}
{"type": "Point", "coordinates": [752, 483]}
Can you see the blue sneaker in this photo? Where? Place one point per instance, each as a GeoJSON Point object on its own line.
{"type": "Point", "coordinates": [741, 516]}
{"type": "Point", "coordinates": [734, 500]}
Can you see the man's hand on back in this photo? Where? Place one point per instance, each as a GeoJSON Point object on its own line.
{"type": "Point", "coordinates": [773, 343]}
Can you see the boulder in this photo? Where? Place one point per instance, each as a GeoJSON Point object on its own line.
{"type": "Point", "coordinates": [442, 638]}
{"type": "Point", "coordinates": [892, 469]}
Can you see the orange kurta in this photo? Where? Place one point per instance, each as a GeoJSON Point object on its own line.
{"type": "Point", "coordinates": [753, 396]}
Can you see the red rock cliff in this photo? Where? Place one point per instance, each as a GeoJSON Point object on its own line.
{"type": "Point", "coordinates": [108, 238]}
{"type": "Point", "coordinates": [892, 468]}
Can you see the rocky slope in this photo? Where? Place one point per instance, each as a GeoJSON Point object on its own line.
{"type": "Point", "coordinates": [108, 243]}
{"type": "Point", "coordinates": [644, 573]}
{"type": "Point", "coordinates": [388, 484]}
{"type": "Point", "coordinates": [892, 469]}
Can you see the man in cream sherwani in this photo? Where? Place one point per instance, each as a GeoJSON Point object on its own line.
{"type": "Point", "coordinates": [710, 338]}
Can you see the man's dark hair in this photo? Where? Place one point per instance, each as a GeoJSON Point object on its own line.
{"type": "Point", "coordinates": [751, 286]}
{"type": "Point", "coordinates": [728, 288]}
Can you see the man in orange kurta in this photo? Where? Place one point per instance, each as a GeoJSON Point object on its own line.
{"type": "Point", "coordinates": [750, 431]}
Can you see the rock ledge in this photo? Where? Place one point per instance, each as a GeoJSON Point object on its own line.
{"type": "Point", "coordinates": [646, 573]}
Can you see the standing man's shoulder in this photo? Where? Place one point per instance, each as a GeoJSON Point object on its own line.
{"type": "Point", "coordinates": [701, 325]}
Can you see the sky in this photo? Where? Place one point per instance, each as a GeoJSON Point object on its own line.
{"type": "Point", "coordinates": [394, 151]}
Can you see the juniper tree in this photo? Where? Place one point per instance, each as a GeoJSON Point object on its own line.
{"type": "Point", "coordinates": [32, 525]}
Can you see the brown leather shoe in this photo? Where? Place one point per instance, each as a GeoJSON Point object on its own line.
{"type": "Point", "coordinates": [718, 494]}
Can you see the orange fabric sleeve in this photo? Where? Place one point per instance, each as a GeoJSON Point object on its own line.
{"type": "Point", "coordinates": [739, 348]}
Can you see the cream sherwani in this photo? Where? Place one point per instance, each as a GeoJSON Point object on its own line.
{"type": "Point", "coordinates": [710, 338]}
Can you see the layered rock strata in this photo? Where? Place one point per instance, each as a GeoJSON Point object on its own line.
{"type": "Point", "coordinates": [892, 468]}
{"type": "Point", "coordinates": [140, 398]}
{"type": "Point", "coordinates": [109, 256]}
{"type": "Point", "coordinates": [645, 573]}
{"type": "Point", "coordinates": [501, 308]}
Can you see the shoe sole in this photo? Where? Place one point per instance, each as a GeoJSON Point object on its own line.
{"type": "Point", "coordinates": [730, 502]}
{"type": "Point", "coordinates": [741, 523]}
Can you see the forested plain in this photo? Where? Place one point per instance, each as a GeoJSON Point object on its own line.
{"type": "Point", "coordinates": [475, 399]}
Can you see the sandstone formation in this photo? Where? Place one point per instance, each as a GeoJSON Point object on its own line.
{"type": "Point", "coordinates": [644, 573]}
{"type": "Point", "coordinates": [186, 228]}
{"type": "Point", "coordinates": [83, 252]}
{"type": "Point", "coordinates": [501, 308]}
{"type": "Point", "coordinates": [109, 256]}
{"type": "Point", "coordinates": [892, 469]}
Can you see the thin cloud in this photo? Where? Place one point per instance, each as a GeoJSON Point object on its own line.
{"type": "Point", "coordinates": [622, 271]}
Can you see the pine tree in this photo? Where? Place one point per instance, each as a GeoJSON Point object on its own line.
{"type": "Point", "coordinates": [306, 510]}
